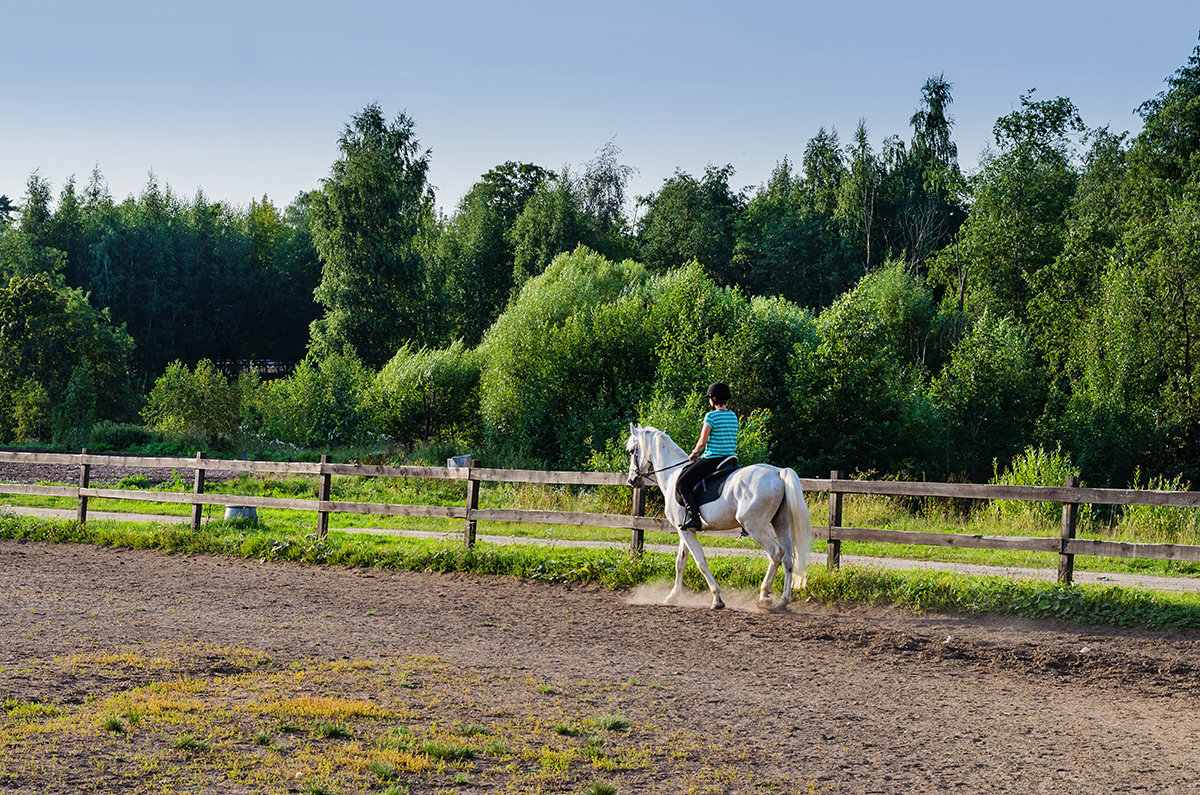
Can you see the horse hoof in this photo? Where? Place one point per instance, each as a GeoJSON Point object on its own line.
{"type": "Point", "coordinates": [717, 604]}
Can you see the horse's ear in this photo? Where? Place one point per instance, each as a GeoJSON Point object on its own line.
{"type": "Point", "coordinates": [632, 429]}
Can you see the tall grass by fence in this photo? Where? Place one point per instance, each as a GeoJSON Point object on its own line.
{"type": "Point", "coordinates": [1070, 496]}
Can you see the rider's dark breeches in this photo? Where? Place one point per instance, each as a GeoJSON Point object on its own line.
{"type": "Point", "coordinates": [692, 474]}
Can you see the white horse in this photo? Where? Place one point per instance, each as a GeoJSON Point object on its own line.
{"type": "Point", "coordinates": [766, 501]}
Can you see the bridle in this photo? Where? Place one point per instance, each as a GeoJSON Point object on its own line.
{"type": "Point", "coordinates": [637, 466]}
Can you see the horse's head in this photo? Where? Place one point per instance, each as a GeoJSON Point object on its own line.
{"type": "Point", "coordinates": [634, 447]}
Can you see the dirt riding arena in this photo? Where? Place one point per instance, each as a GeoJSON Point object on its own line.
{"type": "Point", "coordinates": [846, 701]}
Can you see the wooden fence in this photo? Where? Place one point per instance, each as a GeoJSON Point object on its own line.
{"type": "Point", "coordinates": [1070, 496]}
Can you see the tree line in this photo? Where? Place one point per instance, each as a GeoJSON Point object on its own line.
{"type": "Point", "coordinates": [873, 307]}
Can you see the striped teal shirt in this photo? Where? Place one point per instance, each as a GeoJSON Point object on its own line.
{"type": "Point", "coordinates": [722, 441]}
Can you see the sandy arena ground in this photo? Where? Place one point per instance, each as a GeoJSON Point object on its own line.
{"type": "Point", "coordinates": [862, 700]}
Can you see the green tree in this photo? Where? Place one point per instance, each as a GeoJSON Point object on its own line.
{"type": "Point", "coordinates": [47, 333]}
{"type": "Point", "coordinates": [856, 387]}
{"type": "Point", "coordinates": [786, 248]}
{"type": "Point", "coordinates": [858, 199]}
{"type": "Point", "coordinates": [1065, 291]}
{"type": "Point", "coordinates": [928, 210]}
{"type": "Point", "coordinates": [20, 255]}
{"type": "Point", "coordinates": [285, 270]}
{"type": "Point", "coordinates": [322, 403]}
{"type": "Point", "coordinates": [370, 220]}
{"type": "Point", "coordinates": [691, 219]}
{"type": "Point", "coordinates": [602, 189]}
{"type": "Point", "coordinates": [7, 210]}
{"type": "Point", "coordinates": [552, 222]}
{"type": "Point", "coordinates": [988, 397]}
{"type": "Point", "coordinates": [36, 211]}
{"type": "Point", "coordinates": [558, 374]}
{"type": "Point", "coordinates": [1117, 313]}
{"type": "Point", "coordinates": [475, 257]}
{"type": "Point", "coordinates": [824, 170]}
{"type": "Point", "coordinates": [1018, 219]}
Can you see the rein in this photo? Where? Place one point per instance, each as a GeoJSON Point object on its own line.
{"type": "Point", "coordinates": [637, 466]}
{"type": "Point", "coordinates": [668, 469]}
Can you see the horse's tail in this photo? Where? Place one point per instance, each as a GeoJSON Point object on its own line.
{"type": "Point", "coordinates": [800, 522]}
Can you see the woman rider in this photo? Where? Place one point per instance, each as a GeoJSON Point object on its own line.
{"type": "Point", "coordinates": [718, 441]}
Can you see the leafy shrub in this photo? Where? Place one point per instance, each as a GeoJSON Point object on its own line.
{"type": "Point", "coordinates": [201, 402]}
{"type": "Point", "coordinates": [1158, 522]}
{"type": "Point", "coordinates": [1035, 467]}
{"type": "Point", "coordinates": [856, 388]}
{"type": "Point", "coordinates": [989, 395]}
{"type": "Point", "coordinates": [138, 481]}
{"type": "Point", "coordinates": [323, 403]}
{"type": "Point", "coordinates": [30, 411]}
{"type": "Point", "coordinates": [426, 394]}
{"type": "Point", "coordinates": [566, 360]}
{"type": "Point", "coordinates": [109, 435]}
{"type": "Point", "coordinates": [75, 413]}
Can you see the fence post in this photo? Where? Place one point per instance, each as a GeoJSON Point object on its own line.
{"type": "Point", "coordinates": [323, 491]}
{"type": "Point", "coordinates": [637, 539]}
{"type": "Point", "coordinates": [833, 547]}
{"type": "Point", "coordinates": [85, 471]}
{"type": "Point", "coordinates": [1070, 520]}
{"type": "Point", "coordinates": [472, 505]}
{"type": "Point", "coordinates": [198, 488]}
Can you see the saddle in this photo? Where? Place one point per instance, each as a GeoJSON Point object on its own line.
{"type": "Point", "coordinates": [710, 488]}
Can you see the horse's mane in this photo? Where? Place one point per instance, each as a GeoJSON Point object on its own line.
{"type": "Point", "coordinates": [649, 429]}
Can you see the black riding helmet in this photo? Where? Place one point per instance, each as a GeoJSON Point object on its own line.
{"type": "Point", "coordinates": [719, 392]}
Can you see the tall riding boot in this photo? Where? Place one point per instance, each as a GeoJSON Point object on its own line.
{"type": "Point", "coordinates": [691, 516]}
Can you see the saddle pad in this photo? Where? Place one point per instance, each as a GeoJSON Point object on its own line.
{"type": "Point", "coordinates": [710, 488]}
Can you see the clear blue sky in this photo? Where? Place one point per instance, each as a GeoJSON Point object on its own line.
{"type": "Point", "coordinates": [247, 98]}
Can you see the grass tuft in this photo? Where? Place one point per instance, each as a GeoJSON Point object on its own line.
{"type": "Point", "coordinates": [384, 771]}
{"type": "Point", "coordinates": [472, 730]}
{"type": "Point", "coordinates": [331, 731]}
{"type": "Point", "coordinates": [188, 742]}
{"type": "Point", "coordinates": [447, 752]}
{"type": "Point", "coordinates": [613, 723]}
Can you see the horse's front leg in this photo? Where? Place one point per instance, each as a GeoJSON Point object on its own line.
{"type": "Point", "coordinates": [693, 545]}
{"type": "Point", "coordinates": [680, 565]}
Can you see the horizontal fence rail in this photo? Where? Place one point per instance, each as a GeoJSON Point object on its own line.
{"type": "Point", "coordinates": [1070, 496]}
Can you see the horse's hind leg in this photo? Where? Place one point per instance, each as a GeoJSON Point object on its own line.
{"type": "Point", "coordinates": [680, 565]}
{"type": "Point", "coordinates": [775, 557]}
